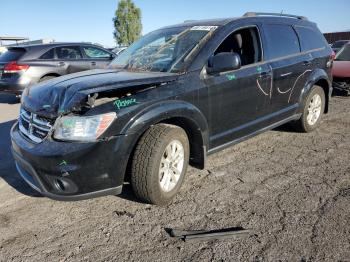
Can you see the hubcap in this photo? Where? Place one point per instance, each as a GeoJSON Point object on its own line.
{"type": "Point", "coordinates": [314, 110]}
{"type": "Point", "coordinates": [171, 166]}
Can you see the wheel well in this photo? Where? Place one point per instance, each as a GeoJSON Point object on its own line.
{"type": "Point", "coordinates": [197, 154]}
{"type": "Point", "coordinates": [324, 84]}
{"type": "Point", "coordinates": [194, 134]}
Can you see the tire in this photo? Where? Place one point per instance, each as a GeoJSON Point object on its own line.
{"type": "Point", "coordinates": [153, 176]}
{"type": "Point", "coordinates": [309, 121]}
{"type": "Point", "coordinates": [46, 78]}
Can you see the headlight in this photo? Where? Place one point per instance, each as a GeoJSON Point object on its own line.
{"type": "Point", "coordinates": [83, 128]}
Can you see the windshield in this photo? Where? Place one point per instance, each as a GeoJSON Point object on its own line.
{"type": "Point", "coordinates": [165, 50]}
{"type": "Point", "coordinates": [344, 54]}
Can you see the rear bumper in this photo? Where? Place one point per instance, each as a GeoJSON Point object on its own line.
{"type": "Point", "coordinates": [69, 171]}
{"type": "Point", "coordinates": [14, 85]}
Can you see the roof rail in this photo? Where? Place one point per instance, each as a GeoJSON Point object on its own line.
{"type": "Point", "coordinates": [252, 14]}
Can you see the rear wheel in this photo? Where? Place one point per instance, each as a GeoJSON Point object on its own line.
{"type": "Point", "coordinates": [313, 110]}
{"type": "Point", "coordinates": [159, 164]}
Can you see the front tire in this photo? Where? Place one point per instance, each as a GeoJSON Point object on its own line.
{"type": "Point", "coordinates": [313, 110]}
{"type": "Point", "coordinates": [159, 164]}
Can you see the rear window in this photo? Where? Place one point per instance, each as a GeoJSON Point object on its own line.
{"type": "Point", "coordinates": [49, 54]}
{"type": "Point", "coordinates": [281, 40]}
{"type": "Point", "coordinates": [310, 38]}
{"type": "Point", "coordinates": [12, 55]}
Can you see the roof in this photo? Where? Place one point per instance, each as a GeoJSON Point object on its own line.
{"type": "Point", "coordinates": [261, 16]}
{"type": "Point", "coordinates": [207, 22]}
{"type": "Point", "coordinates": [23, 45]}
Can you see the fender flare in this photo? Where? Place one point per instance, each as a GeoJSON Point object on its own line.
{"type": "Point", "coordinates": [315, 76]}
{"type": "Point", "coordinates": [189, 117]}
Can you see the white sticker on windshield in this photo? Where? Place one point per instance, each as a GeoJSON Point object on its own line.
{"type": "Point", "coordinates": [204, 28]}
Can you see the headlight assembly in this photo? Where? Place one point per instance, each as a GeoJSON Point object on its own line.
{"type": "Point", "coordinates": [83, 128]}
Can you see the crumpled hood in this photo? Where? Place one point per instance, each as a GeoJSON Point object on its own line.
{"type": "Point", "coordinates": [68, 93]}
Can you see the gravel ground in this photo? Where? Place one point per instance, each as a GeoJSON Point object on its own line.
{"type": "Point", "coordinates": [292, 189]}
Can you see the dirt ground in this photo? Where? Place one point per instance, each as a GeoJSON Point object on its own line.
{"type": "Point", "coordinates": [292, 189]}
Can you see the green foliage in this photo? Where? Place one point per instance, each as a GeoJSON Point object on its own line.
{"type": "Point", "coordinates": [127, 23]}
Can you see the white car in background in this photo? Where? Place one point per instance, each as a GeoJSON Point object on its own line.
{"type": "Point", "coordinates": [119, 50]}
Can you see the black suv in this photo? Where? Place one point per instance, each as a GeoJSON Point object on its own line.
{"type": "Point", "coordinates": [172, 98]}
{"type": "Point", "coordinates": [24, 66]}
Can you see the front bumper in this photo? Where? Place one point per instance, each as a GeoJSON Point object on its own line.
{"type": "Point", "coordinates": [71, 170]}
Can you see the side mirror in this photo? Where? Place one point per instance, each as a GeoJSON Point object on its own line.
{"type": "Point", "coordinates": [111, 57]}
{"type": "Point", "coordinates": [223, 62]}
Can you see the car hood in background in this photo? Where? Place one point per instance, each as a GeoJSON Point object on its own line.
{"type": "Point", "coordinates": [69, 93]}
{"type": "Point", "coordinates": [341, 68]}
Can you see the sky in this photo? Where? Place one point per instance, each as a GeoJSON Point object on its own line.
{"type": "Point", "coordinates": [91, 20]}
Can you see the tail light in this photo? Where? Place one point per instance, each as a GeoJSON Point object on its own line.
{"type": "Point", "coordinates": [13, 67]}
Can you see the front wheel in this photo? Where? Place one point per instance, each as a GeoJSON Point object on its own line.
{"type": "Point", "coordinates": [159, 164]}
{"type": "Point", "coordinates": [313, 110]}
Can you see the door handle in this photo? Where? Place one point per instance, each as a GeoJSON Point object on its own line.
{"type": "Point", "coordinates": [61, 63]}
{"type": "Point", "coordinates": [93, 63]}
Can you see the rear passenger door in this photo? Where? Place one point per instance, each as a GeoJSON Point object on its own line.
{"type": "Point", "coordinates": [289, 68]}
{"type": "Point", "coordinates": [71, 59]}
{"type": "Point", "coordinates": [96, 57]}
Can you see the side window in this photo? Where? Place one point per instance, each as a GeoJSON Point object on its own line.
{"type": "Point", "coordinates": [246, 43]}
{"type": "Point", "coordinates": [48, 55]}
{"type": "Point", "coordinates": [92, 52]}
{"type": "Point", "coordinates": [310, 38]}
{"type": "Point", "coordinates": [281, 40]}
{"type": "Point", "coordinates": [68, 52]}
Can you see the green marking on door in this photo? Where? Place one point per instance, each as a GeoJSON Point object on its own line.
{"type": "Point", "coordinates": [63, 163]}
{"type": "Point", "coordinates": [231, 77]}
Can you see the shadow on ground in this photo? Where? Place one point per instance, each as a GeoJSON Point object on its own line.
{"type": "Point", "coordinates": [8, 170]}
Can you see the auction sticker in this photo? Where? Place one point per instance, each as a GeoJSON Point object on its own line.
{"type": "Point", "coordinates": [204, 28]}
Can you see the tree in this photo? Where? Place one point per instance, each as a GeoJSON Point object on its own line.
{"type": "Point", "coordinates": [127, 23]}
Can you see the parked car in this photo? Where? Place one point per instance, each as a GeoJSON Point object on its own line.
{"type": "Point", "coordinates": [336, 46]}
{"type": "Point", "coordinates": [341, 70]}
{"type": "Point", "coordinates": [119, 50]}
{"type": "Point", "coordinates": [23, 66]}
{"type": "Point", "coordinates": [173, 97]}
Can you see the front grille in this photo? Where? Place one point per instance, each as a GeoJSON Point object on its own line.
{"type": "Point", "coordinates": [34, 127]}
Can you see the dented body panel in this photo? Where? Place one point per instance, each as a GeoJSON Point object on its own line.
{"type": "Point", "coordinates": [215, 110]}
